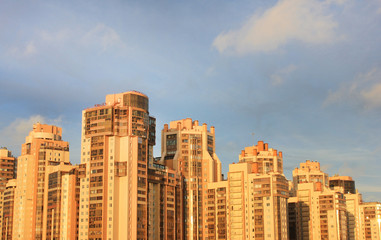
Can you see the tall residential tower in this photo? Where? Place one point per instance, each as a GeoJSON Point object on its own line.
{"type": "Point", "coordinates": [117, 144]}
{"type": "Point", "coordinates": [42, 149]}
{"type": "Point", "coordinates": [189, 149]}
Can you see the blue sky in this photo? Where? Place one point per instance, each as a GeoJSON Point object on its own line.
{"type": "Point", "coordinates": [302, 75]}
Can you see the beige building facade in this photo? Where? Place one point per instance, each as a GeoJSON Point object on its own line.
{"type": "Point", "coordinates": [165, 201]}
{"type": "Point", "coordinates": [117, 144]}
{"type": "Point", "coordinates": [42, 149]}
{"type": "Point", "coordinates": [316, 211]}
{"type": "Point", "coordinates": [189, 148]}
{"type": "Point", "coordinates": [63, 202]}
{"type": "Point", "coordinates": [257, 195]}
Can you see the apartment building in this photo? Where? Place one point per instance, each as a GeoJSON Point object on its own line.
{"type": "Point", "coordinates": [117, 143]}
{"type": "Point", "coordinates": [189, 148]}
{"type": "Point", "coordinates": [43, 148]}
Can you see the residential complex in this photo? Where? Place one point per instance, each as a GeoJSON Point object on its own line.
{"type": "Point", "coordinates": [257, 195]}
{"type": "Point", "coordinates": [117, 143]}
{"type": "Point", "coordinates": [120, 191]}
{"type": "Point", "coordinates": [189, 149]}
{"type": "Point", "coordinates": [42, 149]}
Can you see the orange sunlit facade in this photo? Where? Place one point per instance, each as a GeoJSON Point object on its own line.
{"type": "Point", "coordinates": [316, 211]}
{"type": "Point", "coordinates": [257, 195]}
{"type": "Point", "coordinates": [120, 191]}
{"type": "Point", "coordinates": [117, 144]}
{"type": "Point", "coordinates": [165, 200]}
{"type": "Point", "coordinates": [189, 148]}
{"type": "Point", "coordinates": [42, 148]}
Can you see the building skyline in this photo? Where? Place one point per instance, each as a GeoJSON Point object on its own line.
{"type": "Point", "coordinates": [121, 191]}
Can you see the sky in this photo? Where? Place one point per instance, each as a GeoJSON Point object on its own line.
{"type": "Point", "coordinates": [301, 75]}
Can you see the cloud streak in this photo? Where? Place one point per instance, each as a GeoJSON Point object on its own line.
{"type": "Point", "coordinates": [279, 76]}
{"type": "Point", "coordinates": [364, 91]}
{"type": "Point", "coordinates": [304, 21]}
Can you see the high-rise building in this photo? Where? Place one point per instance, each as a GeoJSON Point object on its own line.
{"type": "Point", "coordinates": [316, 211]}
{"type": "Point", "coordinates": [353, 202]}
{"type": "Point", "coordinates": [8, 167]}
{"type": "Point", "coordinates": [42, 148]}
{"type": "Point", "coordinates": [370, 213]}
{"type": "Point", "coordinates": [310, 172]}
{"type": "Point", "coordinates": [165, 196]}
{"type": "Point", "coordinates": [117, 144]}
{"type": "Point", "coordinates": [344, 184]}
{"type": "Point", "coordinates": [264, 159]}
{"type": "Point", "coordinates": [257, 195]}
{"type": "Point", "coordinates": [7, 205]}
{"type": "Point", "coordinates": [217, 210]}
{"type": "Point", "coordinates": [63, 202]}
{"type": "Point", "coordinates": [189, 149]}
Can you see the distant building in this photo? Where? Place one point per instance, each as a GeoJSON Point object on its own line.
{"type": "Point", "coordinates": [257, 195]}
{"type": "Point", "coordinates": [165, 201]}
{"type": "Point", "coordinates": [8, 171]}
{"type": "Point", "coordinates": [189, 149]}
{"type": "Point", "coordinates": [63, 202]}
{"type": "Point", "coordinates": [42, 148]}
{"type": "Point", "coordinates": [217, 210]}
{"type": "Point", "coordinates": [370, 213]}
{"type": "Point", "coordinates": [355, 224]}
{"type": "Point", "coordinates": [309, 172]}
{"type": "Point", "coordinates": [7, 206]}
{"type": "Point", "coordinates": [344, 184]}
{"type": "Point", "coordinates": [315, 211]}
{"type": "Point", "coordinates": [117, 146]}
{"type": "Point", "coordinates": [8, 167]}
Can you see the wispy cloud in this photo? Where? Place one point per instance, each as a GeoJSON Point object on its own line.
{"type": "Point", "coordinates": [26, 50]}
{"type": "Point", "coordinates": [279, 76]}
{"type": "Point", "coordinates": [104, 36]}
{"type": "Point", "coordinates": [305, 21]}
{"type": "Point", "coordinates": [99, 37]}
{"type": "Point", "coordinates": [13, 135]}
{"type": "Point", "coordinates": [363, 91]}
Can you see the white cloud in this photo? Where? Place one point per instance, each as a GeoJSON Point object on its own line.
{"type": "Point", "coordinates": [364, 91]}
{"type": "Point", "coordinates": [103, 35]}
{"type": "Point", "coordinates": [27, 50]}
{"type": "Point", "coordinates": [303, 20]}
{"type": "Point", "coordinates": [279, 76]}
{"type": "Point", "coordinates": [30, 49]}
{"type": "Point", "coordinates": [13, 135]}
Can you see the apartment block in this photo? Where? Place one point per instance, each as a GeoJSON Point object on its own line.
{"type": "Point", "coordinates": [257, 195]}
{"type": "Point", "coordinates": [43, 148]}
{"type": "Point", "coordinates": [264, 159]}
{"type": "Point", "coordinates": [309, 171]}
{"type": "Point", "coordinates": [344, 184]}
{"type": "Point", "coordinates": [7, 206]}
{"type": "Point", "coordinates": [217, 210]}
{"type": "Point", "coordinates": [189, 148]}
{"type": "Point", "coordinates": [165, 200]}
{"type": "Point", "coordinates": [370, 213]}
{"type": "Point", "coordinates": [355, 223]}
{"type": "Point", "coordinates": [63, 202]}
{"type": "Point", "coordinates": [316, 211]}
{"type": "Point", "coordinates": [8, 167]}
{"type": "Point", "coordinates": [117, 143]}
